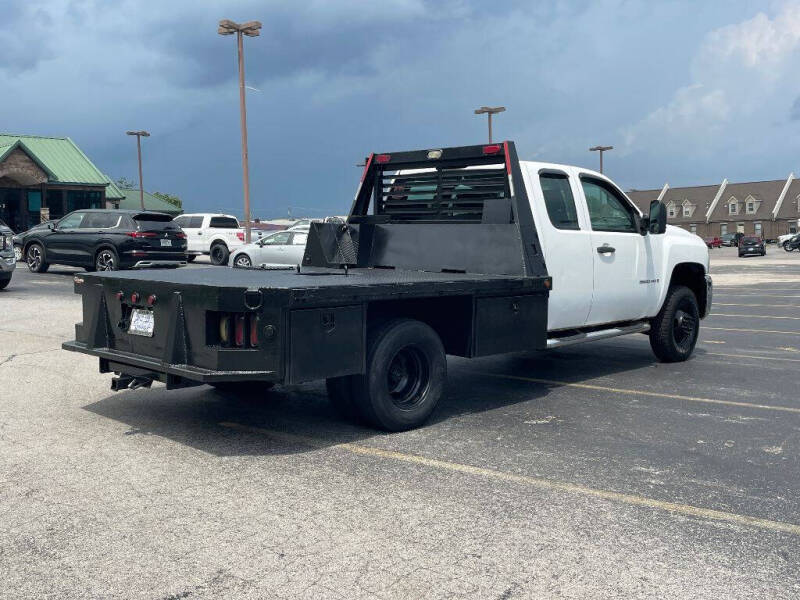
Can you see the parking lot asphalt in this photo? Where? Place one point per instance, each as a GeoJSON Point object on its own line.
{"type": "Point", "coordinates": [592, 471]}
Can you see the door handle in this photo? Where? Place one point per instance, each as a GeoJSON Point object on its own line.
{"type": "Point", "coordinates": [606, 249]}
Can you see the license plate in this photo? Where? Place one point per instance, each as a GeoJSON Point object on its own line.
{"type": "Point", "coordinates": [142, 323]}
{"type": "Point", "coordinates": [166, 242]}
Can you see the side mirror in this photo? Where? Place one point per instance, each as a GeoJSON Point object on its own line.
{"type": "Point", "coordinates": [51, 226]}
{"type": "Point", "coordinates": [658, 217]}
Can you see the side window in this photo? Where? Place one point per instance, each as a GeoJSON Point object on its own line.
{"type": "Point", "coordinates": [195, 223]}
{"type": "Point", "coordinates": [299, 239]}
{"type": "Point", "coordinates": [181, 221]}
{"type": "Point", "coordinates": [71, 221]}
{"type": "Point", "coordinates": [559, 200]}
{"type": "Point", "coordinates": [608, 210]}
{"type": "Point", "coordinates": [279, 239]}
{"type": "Point", "coordinates": [100, 221]}
{"type": "Point", "coordinates": [224, 223]}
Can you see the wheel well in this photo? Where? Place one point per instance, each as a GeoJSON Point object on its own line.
{"type": "Point", "coordinates": [218, 243]}
{"type": "Point", "coordinates": [692, 275]}
{"type": "Point", "coordinates": [448, 316]}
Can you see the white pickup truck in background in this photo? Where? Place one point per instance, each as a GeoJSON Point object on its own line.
{"type": "Point", "coordinates": [215, 235]}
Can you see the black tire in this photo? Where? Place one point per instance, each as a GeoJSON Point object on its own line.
{"type": "Point", "coordinates": [674, 331]}
{"type": "Point", "coordinates": [242, 261]}
{"type": "Point", "coordinates": [406, 371]}
{"type": "Point", "coordinates": [219, 254]}
{"type": "Point", "coordinates": [243, 388]}
{"type": "Point", "coordinates": [787, 247]}
{"type": "Point", "coordinates": [106, 259]}
{"type": "Point", "coordinates": [4, 282]}
{"type": "Point", "coordinates": [35, 257]}
{"type": "Point", "coordinates": [190, 257]}
{"type": "Point", "coordinates": [342, 397]}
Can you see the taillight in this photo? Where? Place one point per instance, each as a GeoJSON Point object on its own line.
{"type": "Point", "coordinates": [142, 234]}
{"type": "Point", "coordinates": [383, 158]}
{"type": "Point", "coordinates": [225, 329]}
{"type": "Point", "coordinates": [238, 335]}
{"type": "Point", "coordinates": [151, 299]}
{"type": "Point", "coordinates": [240, 235]}
{"type": "Point", "coordinates": [254, 331]}
{"type": "Point", "coordinates": [180, 235]}
{"type": "Point", "coordinates": [120, 295]}
{"type": "Point", "coordinates": [135, 297]}
{"type": "Point", "coordinates": [491, 149]}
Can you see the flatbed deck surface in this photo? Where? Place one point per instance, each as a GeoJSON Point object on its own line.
{"type": "Point", "coordinates": [316, 278]}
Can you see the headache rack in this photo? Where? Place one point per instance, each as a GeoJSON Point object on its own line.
{"type": "Point", "coordinates": [462, 209]}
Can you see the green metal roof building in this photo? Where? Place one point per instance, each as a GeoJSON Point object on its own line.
{"type": "Point", "coordinates": [47, 177]}
{"type": "Point", "coordinates": [132, 201]}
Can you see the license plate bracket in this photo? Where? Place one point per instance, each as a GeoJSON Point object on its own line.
{"type": "Point", "coordinates": [142, 322]}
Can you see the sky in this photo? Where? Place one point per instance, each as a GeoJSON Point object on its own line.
{"type": "Point", "coordinates": [687, 92]}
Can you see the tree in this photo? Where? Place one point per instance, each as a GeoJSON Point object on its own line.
{"type": "Point", "coordinates": [174, 200]}
{"type": "Point", "coordinates": [124, 183]}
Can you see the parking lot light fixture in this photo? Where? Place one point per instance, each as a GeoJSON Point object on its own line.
{"type": "Point", "coordinates": [601, 149]}
{"type": "Point", "coordinates": [249, 29]}
{"type": "Point", "coordinates": [139, 134]}
{"type": "Point", "coordinates": [490, 110]}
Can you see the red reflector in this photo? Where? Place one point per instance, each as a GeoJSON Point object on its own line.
{"type": "Point", "coordinates": [180, 235]}
{"type": "Point", "coordinates": [253, 331]}
{"type": "Point", "coordinates": [120, 295]}
{"type": "Point", "coordinates": [134, 297]}
{"type": "Point", "coordinates": [491, 149]}
{"type": "Point", "coordinates": [383, 158]}
{"type": "Point", "coordinates": [240, 235]}
{"type": "Point", "coordinates": [238, 332]}
{"type": "Point", "coordinates": [151, 299]}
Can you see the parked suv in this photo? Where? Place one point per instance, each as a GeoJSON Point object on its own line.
{"type": "Point", "coordinates": [107, 240]}
{"type": "Point", "coordinates": [7, 260]}
{"type": "Point", "coordinates": [752, 245]}
{"type": "Point", "coordinates": [731, 239]}
{"type": "Point", "coordinates": [212, 234]}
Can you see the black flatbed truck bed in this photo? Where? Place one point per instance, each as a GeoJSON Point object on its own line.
{"type": "Point", "coordinates": [454, 268]}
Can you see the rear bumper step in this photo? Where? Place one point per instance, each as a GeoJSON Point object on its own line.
{"type": "Point", "coordinates": [142, 367]}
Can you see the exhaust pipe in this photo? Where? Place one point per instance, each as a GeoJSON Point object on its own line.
{"type": "Point", "coordinates": [124, 382]}
{"type": "Point", "coordinates": [140, 382]}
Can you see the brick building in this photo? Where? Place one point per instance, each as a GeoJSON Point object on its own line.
{"type": "Point", "coordinates": [765, 208]}
{"type": "Point", "coordinates": [48, 176]}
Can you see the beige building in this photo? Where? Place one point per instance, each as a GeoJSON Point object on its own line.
{"type": "Point", "coordinates": [764, 208]}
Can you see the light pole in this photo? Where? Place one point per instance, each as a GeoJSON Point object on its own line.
{"type": "Point", "coordinates": [601, 149]}
{"type": "Point", "coordinates": [490, 110]}
{"type": "Point", "coordinates": [250, 29]}
{"type": "Point", "coordinates": [139, 135]}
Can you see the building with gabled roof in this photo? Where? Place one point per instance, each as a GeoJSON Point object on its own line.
{"type": "Point", "coordinates": [48, 177]}
{"type": "Point", "coordinates": [764, 208]}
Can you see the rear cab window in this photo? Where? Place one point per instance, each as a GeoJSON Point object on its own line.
{"type": "Point", "coordinates": [608, 208]}
{"type": "Point", "coordinates": [558, 199]}
{"type": "Point", "coordinates": [224, 223]}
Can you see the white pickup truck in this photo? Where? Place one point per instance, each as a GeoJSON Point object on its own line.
{"type": "Point", "coordinates": [214, 235]}
{"type": "Point", "coordinates": [466, 251]}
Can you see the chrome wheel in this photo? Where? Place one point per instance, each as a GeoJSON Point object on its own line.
{"type": "Point", "coordinates": [242, 261]}
{"type": "Point", "coordinates": [106, 261]}
{"type": "Point", "coordinates": [17, 253]}
{"type": "Point", "coordinates": [34, 258]}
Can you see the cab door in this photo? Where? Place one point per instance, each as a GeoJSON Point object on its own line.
{"type": "Point", "coordinates": [566, 240]}
{"type": "Point", "coordinates": [624, 271]}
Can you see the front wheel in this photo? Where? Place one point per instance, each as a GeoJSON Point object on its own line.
{"type": "Point", "coordinates": [35, 259]}
{"type": "Point", "coordinates": [787, 247]}
{"type": "Point", "coordinates": [106, 260]}
{"type": "Point", "coordinates": [674, 331]}
{"type": "Point", "coordinates": [242, 261]}
{"type": "Point", "coordinates": [406, 371]}
{"type": "Point", "coordinates": [17, 252]}
{"type": "Point", "coordinates": [219, 254]}
{"type": "Point", "coordinates": [4, 283]}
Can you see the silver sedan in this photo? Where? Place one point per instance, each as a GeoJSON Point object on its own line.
{"type": "Point", "coordinates": [277, 249]}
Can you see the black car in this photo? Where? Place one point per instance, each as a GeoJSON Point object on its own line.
{"type": "Point", "coordinates": [752, 245]}
{"type": "Point", "coordinates": [106, 240]}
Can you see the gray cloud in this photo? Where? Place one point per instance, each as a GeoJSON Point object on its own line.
{"type": "Point", "coordinates": [794, 114]}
